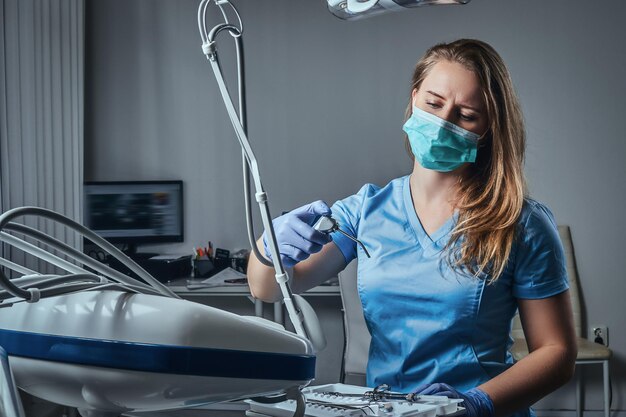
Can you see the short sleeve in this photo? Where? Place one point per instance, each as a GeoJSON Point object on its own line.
{"type": "Point", "coordinates": [540, 260]}
{"type": "Point", "coordinates": [347, 212]}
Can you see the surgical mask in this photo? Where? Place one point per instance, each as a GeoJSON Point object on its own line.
{"type": "Point", "coordinates": [438, 144]}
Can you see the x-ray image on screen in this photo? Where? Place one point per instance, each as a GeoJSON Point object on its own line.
{"type": "Point", "coordinates": [135, 212]}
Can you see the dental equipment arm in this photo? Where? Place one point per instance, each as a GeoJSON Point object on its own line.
{"type": "Point", "coordinates": [300, 313]}
{"type": "Point", "coordinates": [32, 293]}
{"type": "Point", "coordinates": [358, 9]}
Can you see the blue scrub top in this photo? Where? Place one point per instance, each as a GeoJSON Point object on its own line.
{"type": "Point", "coordinates": [429, 324]}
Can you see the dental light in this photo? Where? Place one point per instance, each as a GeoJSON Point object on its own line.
{"type": "Point", "coordinates": [357, 9]}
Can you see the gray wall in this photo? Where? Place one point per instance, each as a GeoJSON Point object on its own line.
{"type": "Point", "coordinates": [326, 101]}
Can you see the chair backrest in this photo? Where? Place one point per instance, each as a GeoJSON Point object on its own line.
{"type": "Point", "coordinates": [572, 273]}
{"type": "Point", "coordinates": [357, 339]}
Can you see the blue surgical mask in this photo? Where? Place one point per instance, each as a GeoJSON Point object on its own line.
{"type": "Point", "coordinates": [438, 144]}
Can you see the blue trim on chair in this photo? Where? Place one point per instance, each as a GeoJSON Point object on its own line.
{"type": "Point", "coordinates": [181, 360]}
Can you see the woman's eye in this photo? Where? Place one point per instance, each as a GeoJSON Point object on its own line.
{"type": "Point", "coordinates": [433, 105]}
{"type": "Point", "coordinates": [468, 118]}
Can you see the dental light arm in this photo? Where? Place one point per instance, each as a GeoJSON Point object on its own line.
{"type": "Point", "coordinates": [358, 9]}
{"type": "Point", "coordinates": [306, 327]}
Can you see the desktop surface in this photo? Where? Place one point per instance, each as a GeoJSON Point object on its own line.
{"type": "Point", "coordinates": [190, 286]}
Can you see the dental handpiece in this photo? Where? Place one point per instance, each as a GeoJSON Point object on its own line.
{"type": "Point", "coordinates": [326, 224]}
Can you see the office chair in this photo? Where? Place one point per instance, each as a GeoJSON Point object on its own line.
{"type": "Point", "coordinates": [357, 339]}
{"type": "Point", "coordinates": [589, 353]}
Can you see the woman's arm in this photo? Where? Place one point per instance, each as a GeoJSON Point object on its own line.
{"type": "Point", "coordinates": [549, 330]}
{"type": "Point", "coordinates": [317, 268]}
{"type": "Point", "coordinates": [302, 248]}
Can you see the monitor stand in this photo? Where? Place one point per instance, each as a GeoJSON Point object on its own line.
{"type": "Point", "coordinates": [132, 253]}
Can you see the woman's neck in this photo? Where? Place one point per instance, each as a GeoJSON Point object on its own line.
{"type": "Point", "coordinates": [432, 188]}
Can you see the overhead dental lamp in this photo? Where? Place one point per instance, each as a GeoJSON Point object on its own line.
{"type": "Point", "coordinates": [358, 9]}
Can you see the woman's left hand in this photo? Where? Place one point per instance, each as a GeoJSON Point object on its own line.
{"type": "Point", "coordinates": [476, 402]}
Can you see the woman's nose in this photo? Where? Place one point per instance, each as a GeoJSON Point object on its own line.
{"type": "Point", "coordinates": [448, 114]}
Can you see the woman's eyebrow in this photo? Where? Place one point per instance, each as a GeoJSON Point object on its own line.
{"type": "Point", "coordinates": [474, 109]}
{"type": "Point", "coordinates": [435, 94]}
{"type": "Point", "coordinates": [466, 106]}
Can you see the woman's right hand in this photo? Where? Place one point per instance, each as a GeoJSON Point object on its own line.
{"type": "Point", "coordinates": [297, 240]}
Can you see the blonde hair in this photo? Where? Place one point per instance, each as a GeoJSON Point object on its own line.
{"type": "Point", "coordinates": [491, 193]}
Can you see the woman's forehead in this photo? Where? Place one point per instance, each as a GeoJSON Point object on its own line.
{"type": "Point", "coordinates": [452, 80]}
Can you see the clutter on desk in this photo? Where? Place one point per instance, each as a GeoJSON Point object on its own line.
{"type": "Point", "coordinates": [164, 268]}
{"type": "Point", "coordinates": [202, 262]}
{"type": "Point", "coordinates": [221, 259]}
{"type": "Point", "coordinates": [207, 262]}
{"type": "Point", "coordinates": [226, 277]}
{"type": "Point", "coordinates": [202, 268]}
{"type": "Point", "coordinates": [239, 260]}
{"type": "Point", "coordinates": [167, 267]}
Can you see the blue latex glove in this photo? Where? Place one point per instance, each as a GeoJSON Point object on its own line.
{"type": "Point", "coordinates": [476, 402]}
{"type": "Point", "coordinates": [297, 240]}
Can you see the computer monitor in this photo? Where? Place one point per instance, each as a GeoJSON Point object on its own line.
{"type": "Point", "coordinates": [135, 212]}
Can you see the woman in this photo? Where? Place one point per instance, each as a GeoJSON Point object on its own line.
{"type": "Point", "coordinates": [456, 248]}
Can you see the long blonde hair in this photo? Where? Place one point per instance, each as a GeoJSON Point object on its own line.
{"type": "Point", "coordinates": [491, 194]}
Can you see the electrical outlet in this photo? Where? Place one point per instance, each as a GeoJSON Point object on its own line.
{"type": "Point", "coordinates": [599, 334]}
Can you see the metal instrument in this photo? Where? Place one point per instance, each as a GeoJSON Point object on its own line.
{"type": "Point", "coordinates": [326, 224]}
{"type": "Point", "coordinates": [382, 393]}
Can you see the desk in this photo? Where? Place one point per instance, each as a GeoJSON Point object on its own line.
{"type": "Point", "coordinates": [179, 286]}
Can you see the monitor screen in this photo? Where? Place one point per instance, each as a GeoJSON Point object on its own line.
{"type": "Point", "coordinates": [135, 212]}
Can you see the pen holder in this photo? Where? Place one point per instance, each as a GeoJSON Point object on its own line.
{"type": "Point", "coordinates": [203, 268]}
